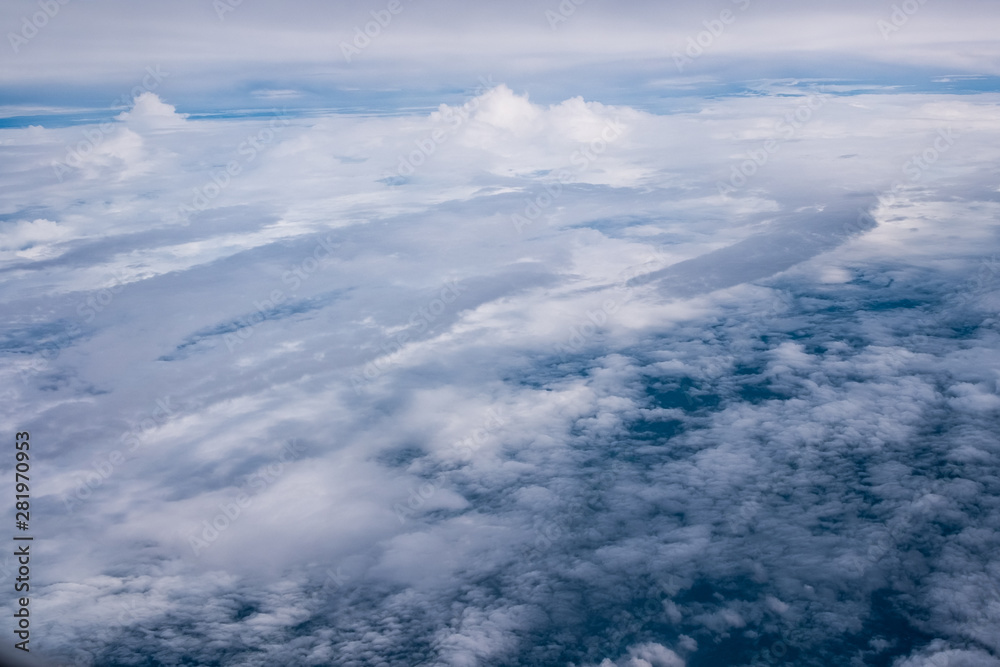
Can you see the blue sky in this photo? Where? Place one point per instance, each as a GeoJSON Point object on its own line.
{"type": "Point", "coordinates": [658, 336]}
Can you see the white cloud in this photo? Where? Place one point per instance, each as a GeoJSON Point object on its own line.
{"type": "Point", "coordinates": [652, 422]}
{"type": "Point", "coordinates": [149, 112]}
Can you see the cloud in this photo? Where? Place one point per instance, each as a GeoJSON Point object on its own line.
{"type": "Point", "coordinates": [951, 658]}
{"type": "Point", "coordinates": [149, 112]}
{"type": "Point", "coordinates": [32, 239]}
{"type": "Point", "coordinates": [547, 397]}
{"type": "Point", "coordinates": [215, 50]}
{"type": "Point", "coordinates": [648, 655]}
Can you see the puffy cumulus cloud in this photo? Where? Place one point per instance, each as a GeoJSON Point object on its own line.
{"type": "Point", "coordinates": [950, 658]}
{"type": "Point", "coordinates": [471, 387]}
{"type": "Point", "coordinates": [149, 112]}
{"type": "Point", "coordinates": [647, 655]}
{"type": "Point", "coordinates": [32, 239]}
{"type": "Point", "coordinates": [506, 134]}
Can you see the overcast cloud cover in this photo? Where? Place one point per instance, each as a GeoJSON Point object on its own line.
{"type": "Point", "coordinates": [593, 334]}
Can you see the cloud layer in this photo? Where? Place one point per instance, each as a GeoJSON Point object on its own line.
{"type": "Point", "coordinates": [508, 381]}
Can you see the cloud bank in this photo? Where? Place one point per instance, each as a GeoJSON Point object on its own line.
{"type": "Point", "coordinates": [509, 380]}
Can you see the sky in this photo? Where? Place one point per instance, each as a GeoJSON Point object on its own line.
{"type": "Point", "coordinates": [579, 334]}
